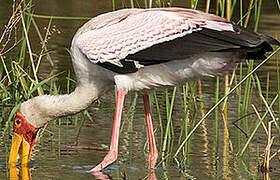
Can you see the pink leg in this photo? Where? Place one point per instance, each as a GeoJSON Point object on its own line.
{"type": "Point", "coordinates": [113, 152]}
{"type": "Point", "coordinates": [153, 154]}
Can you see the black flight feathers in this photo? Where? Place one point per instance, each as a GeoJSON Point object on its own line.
{"type": "Point", "coordinates": [207, 40]}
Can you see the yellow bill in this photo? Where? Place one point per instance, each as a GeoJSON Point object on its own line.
{"type": "Point", "coordinates": [19, 144]}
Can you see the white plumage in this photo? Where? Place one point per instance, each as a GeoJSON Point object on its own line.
{"type": "Point", "coordinates": [138, 30]}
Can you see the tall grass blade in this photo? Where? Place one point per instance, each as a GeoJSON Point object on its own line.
{"type": "Point", "coordinates": [41, 83]}
{"type": "Point", "coordinates": [59, 17]}
{"type": "Point", "coordinates": [167, 130]}
{"type": "Point", "coordinates": [222, 99]}
{"type": "Point", "coordinates": [113, 5]}
{"type": "Point", "coordinates": [256, 128]}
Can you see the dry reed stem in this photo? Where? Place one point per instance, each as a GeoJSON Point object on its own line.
{"type": "Point", "coordinates": [21, 82]}
{"type": "Point", "coordinates": [266, 161]}
{"type": "Point", "coordinates": [265, 168]}
{"type": "Point", "coordinates": [200, 96]}
{"type": "Point", "coordinates": [199, 81]}
{"type": "Point", "coordinates": [248, 13]}
{"type": "Point", "coordinates": [44, 46]}
{"type": "Point", "coordinates": [29, 48]}
{"type": "Point", "coordinates": [12, 47]}
{"type": "Point", "coordinates": [39, 136]}
{"type": "Point", "coordinates": [226, 133]}
{"type": "Point", "coordinates": [25, 73]}
{"type": "Point", "coordinates": [229, 85]}
{"type": "Point", "coordinates": [207, 6]}
{"type": "Point", "coordinates": [269, 110]}
{"type": "Point", "coordinates": [259, 117]}
{"type": "Point", "coordinates": [274, 154]}
{"type": "Point", "coordinates": [228, 9]}
{"type": "Point", "coordinates": [30, 54]}
{"type": "Point", "coordinates": [6, 70]}
{"type": "Point", "coordinates": [11, 28]}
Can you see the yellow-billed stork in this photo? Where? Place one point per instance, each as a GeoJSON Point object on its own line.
{"type": "Point", "coordinates": [139, 50]}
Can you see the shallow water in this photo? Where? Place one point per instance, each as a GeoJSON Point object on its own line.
{"type": "Point", "coordinates": [55, 158]}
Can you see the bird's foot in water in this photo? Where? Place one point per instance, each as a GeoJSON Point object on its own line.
{"type": "Point", "coordinates": [108, 159]}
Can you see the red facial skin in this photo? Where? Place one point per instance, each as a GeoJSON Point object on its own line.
{"type": "Point", "coordinates": [21, 126]}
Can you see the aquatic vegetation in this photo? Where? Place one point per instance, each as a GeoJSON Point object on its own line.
{"type": "Point", "coordinates": [253, 96]}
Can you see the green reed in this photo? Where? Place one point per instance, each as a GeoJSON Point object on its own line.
{"type": "Point", "coordinates": [257, 126]}
{"type": "Point", "coordinates": [278, 86]}
{"type": "Point", "coordinates": [244, 88]}
{"type": "Point", "coordinates": [186, 118]}
{"type": "Point", "coordinates": [221, 100]}
{"type": "Point", "coordinates": [14, 82]}
{"type": "Point", "coordinates": [167, 141]}
{"type": "Point", "coordinates": [249, 82]}
{"type": "Point", "coordinates": [159, 117]}
{"type": "Point", "coordinates": [189, 106]}
{"type": "Point", "coordinates": [19, 79]}
{"type": "Point", "coordinates": [113, 5]}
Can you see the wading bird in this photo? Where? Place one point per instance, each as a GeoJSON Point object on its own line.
{"type": "Point", "coordinates": [139, 50]}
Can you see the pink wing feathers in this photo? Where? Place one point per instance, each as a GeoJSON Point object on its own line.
{"type": "Point", "coordinates": [143, 28]}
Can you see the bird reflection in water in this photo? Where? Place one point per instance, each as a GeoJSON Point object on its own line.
{"type": "Point", "coordinates": [151, 175]}
{"type": "Point", "coordinates": [22, 173]}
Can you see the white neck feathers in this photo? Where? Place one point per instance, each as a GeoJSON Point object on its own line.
{"type": "Point", "coordinates": [41, 109]}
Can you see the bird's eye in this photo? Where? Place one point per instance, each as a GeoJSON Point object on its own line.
{"type": "Point", "coordinates": [18, 121]}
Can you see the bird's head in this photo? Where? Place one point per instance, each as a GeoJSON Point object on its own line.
{"type": "Point", "coordinates": [33, 115]}
{"type": "Point", "coordinates": [23, 140]}
{"type": "Point", "coordinates": [30, 118]}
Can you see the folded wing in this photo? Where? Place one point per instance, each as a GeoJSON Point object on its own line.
{"type": "Point", "coordinates": [152, 36]}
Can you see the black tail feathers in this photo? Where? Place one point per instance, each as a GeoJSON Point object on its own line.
{"type": "Point", "coordinates": [270, 40]}
{"type": "Point", "coordinates": [258, 53]}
